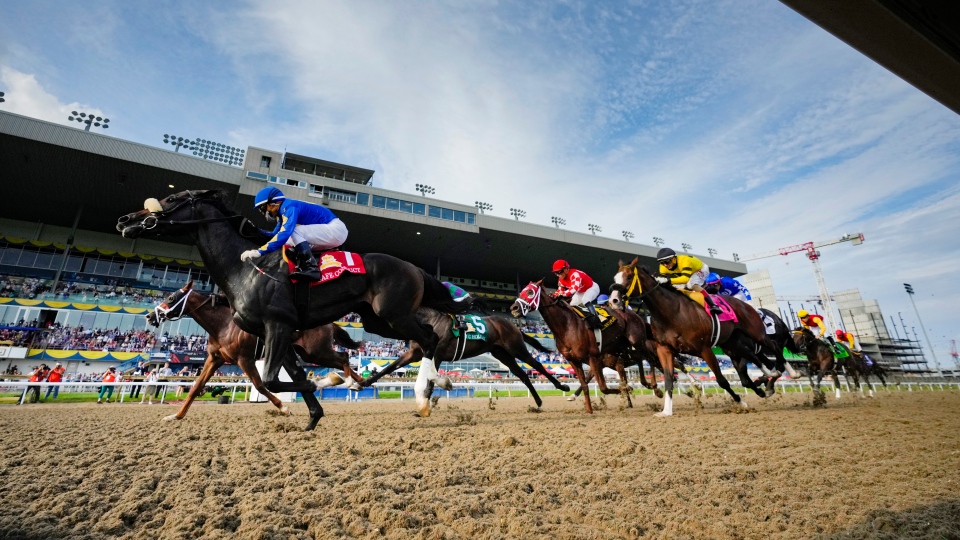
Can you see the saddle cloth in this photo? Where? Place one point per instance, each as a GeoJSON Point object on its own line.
{"type": "Point", "coordinates": [332, 265]}
{"type": "Point", "coordinates": [476, 328]}
{"type": "Point", "coordinates": [839, 351]}
{"type": "Point", "coordinates": [768, 322]}
{"type": "Point", "coordinates": [727, 311]}
{"type": "Point", "coordinates": [606, 320]}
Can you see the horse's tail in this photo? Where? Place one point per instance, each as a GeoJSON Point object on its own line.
{"type": "Point", "coordinates": [531, 341]}
{"type": "Point", "coordinates": [342, 337]}
{"type": "Point", "coordinates": [437, 296]}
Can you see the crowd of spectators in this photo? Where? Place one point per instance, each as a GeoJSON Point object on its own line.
{"type": "Point", "coordinates": [14, 287]}
{"type": "Point", "coordinates": [111, 291]}
{"type": "Point", "coordinates": [379, 349]}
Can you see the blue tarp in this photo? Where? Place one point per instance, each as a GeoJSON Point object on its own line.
{"type": "Point", "coordinates": [455, 393]}
{"type": "Point", "coordinates": [342, 393]}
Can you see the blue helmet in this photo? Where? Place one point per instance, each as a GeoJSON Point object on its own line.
{"type": "Point", "coordinates": [712, 277]}
{"type": "Point", "coordinates": [602, 299]}
{"type": "Point", "coordinates": [268, 195]}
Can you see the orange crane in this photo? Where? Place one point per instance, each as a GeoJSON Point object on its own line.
{"type": "Point", "coordinates": [813, 253]}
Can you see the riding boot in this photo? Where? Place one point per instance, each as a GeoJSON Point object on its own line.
{"type": "Point", "coordinates": [714, 309]}
{"type": "Point", "coordinates": [592, 319]}
{"type": "Point", "coordinates": [306, 263]}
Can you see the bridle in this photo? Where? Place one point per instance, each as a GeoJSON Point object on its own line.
{"type": "Point", "coordinates": [162, 311]}
{"type": "Point", "coordinates": [627, 292]}
{"type": "Point", "coordinates": [154, 218]}
{"type": "Point", "coordinates": [527, 306]}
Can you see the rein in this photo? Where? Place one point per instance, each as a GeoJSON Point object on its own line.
{"type": "Point", "coordinates": [162, 312]}
{"type": "Point", "coordinates": [153, 219]}
{"type": "Point", "coordinates": [634, 284]}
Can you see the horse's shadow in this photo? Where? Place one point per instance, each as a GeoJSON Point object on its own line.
{"type": "Point", "coordinates": [937, 520]}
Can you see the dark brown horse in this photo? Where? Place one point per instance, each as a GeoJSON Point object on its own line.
{"type": "Point", "coordinates": [680, 325]}
{"type": "Point", "coordinates": [576, 341]}
{"type": "Point", "coordinates": [820, 360]}
{"type": "Point", "coordinates": [228, 343]}
{"type": "Point", "coordinates": [503, 340]}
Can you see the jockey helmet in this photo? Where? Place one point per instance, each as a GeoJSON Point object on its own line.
{"type": "Point", "coordinates": [712, 277]}
{"type": "Point", "coordinates": [602, 299]}
{"type": "Point", "coordinates": [802, 313]}
{"type": "Point", "coordinates": [839, 333]}
{"type": "Point", "coordinates": [559, 265]}
{"type": "Point", "coordinates": [268, 195]}
{"type": "Point", "coordinates": [666, 253]}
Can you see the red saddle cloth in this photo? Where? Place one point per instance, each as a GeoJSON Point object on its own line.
{"type": "Point", "coordinates": [727, 312]}
{"type": "Point", "coordinates": [332, 265]}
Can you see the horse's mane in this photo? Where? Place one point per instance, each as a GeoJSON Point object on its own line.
{"type": "Point", "coordinates": [669, 288]}
{"type": "Point", "coordinates": [245, 227]}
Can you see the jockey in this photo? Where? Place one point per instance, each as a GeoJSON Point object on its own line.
{"type": "Point", "coordinates": [302, 225]}
{"type": "Point", "coordinates": [849, 339]}
{"type": "Point", "coordinates": [577, 286]}
{"type": "Point", "coordinates": [687, 273]}
{"type": "Point", "coordinates": [714, 284]}
{"type": "Point", "coordinates": [458, 294]}
{"type": "Point", "coordinates": [810, 320]}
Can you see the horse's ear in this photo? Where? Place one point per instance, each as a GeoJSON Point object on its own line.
{"type": "Point", "coordinates": [635, 261]}
{"type": "Point", "coordinates": [188, 286]}
{"type": "Point", "coordinates": [540, 283]}
{"type": "Point", "coordinates": [620, 263]}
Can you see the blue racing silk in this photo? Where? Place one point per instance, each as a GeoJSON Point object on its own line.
{"type": "Point", "coordinates": [730, 287]}
{"type": "Point", "coordinates": [293, 213]}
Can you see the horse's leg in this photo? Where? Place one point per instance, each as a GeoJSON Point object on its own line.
{"type": "Point", "coordinates": [278, 352]}
{"type": "Point", "coordinates": [836, 380]}
{"type": "Point", "coordinates": [694, 385]}
{"type": "Point", "coordinates": [665, 356]}
{"type": "Point", "coordinates": [578, 369]}
{"type": "Point", "coordinates": [523, 354]}
{"type": "Point", "coordinates": [423, 388]}
{"type": "Point", "coordinates": [740, 364]}
{"type": "Point", "coordinates": [297, 373]}
{"type": "Point", "coordinates": [411, 355]}
{"type": "Point", "coordinates": [625, 388]}
{"type": "Point", "coordinates": [508, 360]}
{"type": "Point", "coordinates": [247, 363]}
{"type": "Point", "coordinates": [211, 365]}
{"type": "Point", "coordinates": [579, 389]}
{"type": "Point", "coordinates": [711, 360]}
{"type": "Point", "coordinates": [596, 366]}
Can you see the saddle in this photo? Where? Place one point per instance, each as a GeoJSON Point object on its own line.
{"type": "Point", "coordinates": [332, 264]}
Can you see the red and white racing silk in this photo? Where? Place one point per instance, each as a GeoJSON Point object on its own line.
{"type": "Point", "coordinates": [576, 281]}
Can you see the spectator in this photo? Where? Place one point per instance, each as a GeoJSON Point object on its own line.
{"type": "Point", "coordinates": [55, 376]}
{"type": "Point", "coordinates": [136, 372]}
{"type": "Point", "coordinates": [38, 374]}
{"type": "Point", "coordinates": [151, 388]}
{"type": "Point", "coordinates": [164, 372]}
{"type": "Point", "coordinates": [108, 378]}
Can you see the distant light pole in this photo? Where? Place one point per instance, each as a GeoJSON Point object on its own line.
{"type": "Point", "coordinates": [594, 229]}
{"type": "Point", "coordinates": [89, 120]}
{"type": "Point", "coordinates": [557, 221]}
{"type": "Point", "coordinates": [909, 289]}
{"type": "Point", "coordinates": [736, 257]}
{"type": "Point", "coordinates": [1, 97]}
{"type": "Point", "coordinates": [627, 235]}
{"type": "Point", "coordinates": [658, 241]}
{"type": "Point", "coordinates": [517, 213]}
{"type": "Point", "coordinates": [215, 151]}
{"type": "Point", "coordinates": [177, 142]}
{"type": "Point", "coordinates": [482, 206]}
{"type": "Point", "coordinates": [686, 247]}
{"type": "Point", "coordinates": [425, 189]}
{"type": "Point", "coordinates": [711, 251]}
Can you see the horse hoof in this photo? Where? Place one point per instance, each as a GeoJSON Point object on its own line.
{"type": "Point", "coordinates": [658, 393]}
{"type": "Point", "coordinates": [354, 386]}
{"type": "Point", "coordinates": [663, 414]}
{"type": "Point", "coordinates": [424, 412]}
{"type": "Point", "coordinates": [571, 398]}
{"type": "Point", "coordinates": [564, 388]}
{"type": "Point", "coordinates": [444, 383]}
{"type": "Point", "coordinates": [743, 403]}
{"type": "Point", "coordinates": [171, 418]}
{"type": "Point", "coordinates": [286, 411]}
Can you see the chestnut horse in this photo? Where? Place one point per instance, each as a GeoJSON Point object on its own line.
{"type": "Point", "coordinates": [504, 341]}
{"type": "Point", "coordinates": [576, 341]}
{"type": "Point", "coordinates": [680, 325]}
{"type": "Point", "coordinates": [227, 342]}
{"type": "Point", "coordinates": [820, 360]}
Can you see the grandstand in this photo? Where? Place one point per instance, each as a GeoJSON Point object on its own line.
{"type": "Point", "coordinates": [62, 262]}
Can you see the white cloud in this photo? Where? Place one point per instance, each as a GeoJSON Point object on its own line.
{"type": "Point", "coordinates": [26, 96]}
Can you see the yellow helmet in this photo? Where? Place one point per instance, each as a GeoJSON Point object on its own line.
{"type": "Point", "coordinates": [802, 313]}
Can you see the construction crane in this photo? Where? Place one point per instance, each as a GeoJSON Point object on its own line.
{"type": "Point", "coordinates": [811, 248]}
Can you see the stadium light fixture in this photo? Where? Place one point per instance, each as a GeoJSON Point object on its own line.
{"type": "Point", "coordinates": [215, 151]}
{"type": "Point", "coordinates": [557, 221]}
{"type": "Point", "coordinates": [736, 257]}
{"type": "Point", "coordinates": [686, 247]}
{"type": "Point", "coordinates": [627, 235]}
{"type": "Point", "coordinates": [177, 142]}
{"type": "Point", "coordinates": [909, 288]}
{"type": "Point", "coordinates": [482, 206]}
{"type": "Point", "coordinates": [657, 241]}
{"type": "Point", "coordinates": [89, 120]}
{"type": "Point", "coordinates": [594, 228]}
{"type": "Point", "coordinates": [517, 213]}
{"type": "Point", "coordinates": [711, 251]}
{"type": "Point", "coordinates": [425, 189]}
{"type": "Point", "coordinates": [1, 97]}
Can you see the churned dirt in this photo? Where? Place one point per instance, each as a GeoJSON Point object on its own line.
{"type": "Point", "coordinates": [859, 468]}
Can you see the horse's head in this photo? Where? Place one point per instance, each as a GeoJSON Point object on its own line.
{"type": "Point", "coordinates": [528, 300]}
{"type": "Point", "coordinates": [625, 284]}
{"type": "Point", "coordinates": [175, 305]}
{"type": "Point", "coordinates": [801, 336]}
{"type": "Point", "coordinates": [171, 216]}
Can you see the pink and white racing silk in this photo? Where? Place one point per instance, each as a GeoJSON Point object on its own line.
{"type": "Point", "coordinates": [576, 282]}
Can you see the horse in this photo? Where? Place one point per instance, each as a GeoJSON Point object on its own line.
{"type": "Point", "coordinates": [820, 358]}
{"type": "Point", "coordinates": [682, 326]}
{"type": "Point", "coordinates": [869, 366]}
{"type": "Point", "coordinates": [387, 296]}
{"type": "Point", "coordinates": [227, 342]}
{"type": "Point", "coordinates": [504, 341]}
{"type": "Point", "coordinates": [575, 341]}
{"type": "Point", "coordinates": [773, 345]}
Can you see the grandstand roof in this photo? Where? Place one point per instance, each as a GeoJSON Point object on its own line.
{"type": "Point", "coordinates": [65, 167]}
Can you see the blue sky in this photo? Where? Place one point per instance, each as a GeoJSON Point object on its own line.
{"type": "Point", "coordinates": [738, 125]}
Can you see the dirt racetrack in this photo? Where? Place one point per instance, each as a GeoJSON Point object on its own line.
{"type": "Point", "coordinates": [887, 467]}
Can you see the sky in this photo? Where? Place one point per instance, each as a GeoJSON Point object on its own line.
{"type": "Point", "coordinates": [732, 125]}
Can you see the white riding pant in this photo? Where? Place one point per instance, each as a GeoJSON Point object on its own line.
{"type": "Point", "coordinates": [740, 296]}
{"type": "Point", "coordinates": [326, 236]}
{"type": "Point", "coordinates": [697, 278]}
{"type": "Point", "coordinates": [585, 297]}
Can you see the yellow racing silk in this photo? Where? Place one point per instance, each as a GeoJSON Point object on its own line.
{"type": "Point", "coordinates": [686, 266]}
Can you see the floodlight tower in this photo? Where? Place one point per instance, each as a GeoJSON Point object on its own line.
{"type": "Point", "coordinates": [215, 151]}
{"type": "Point", "coordinates": [627, 235]}
{"type": "Point", "coordinates": [557, 221]}
{"type": "Point", "coordinates": [909, 289]}
{"type": "Point", "coordinates": [658, 241]}
{"type": "Point", "coordinates": [1, 97]}
{"type": "Point", "coordinates": [594, 228]}
{"type": "Point", "coordinates": [425, 189]}
{"type": "Point", "coordinates": [517, 213]}
{"type": "Point", "coordinates": [89, 120]}
{"type": "Point", "coordinates": [686, 247]}
{"type": "Point", "coordinates": [482, 206]}
{"type": "Point", "coordinates": [712, 252]}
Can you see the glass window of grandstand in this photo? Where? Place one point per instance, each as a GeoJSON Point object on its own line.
{"type": "Point", "coordinates": [265, 161]}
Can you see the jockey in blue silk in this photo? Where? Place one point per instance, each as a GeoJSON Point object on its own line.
{"type": "Point", "coordinates": [714, 284]}
{"type": "Point", "coordinates": [301, 225]}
